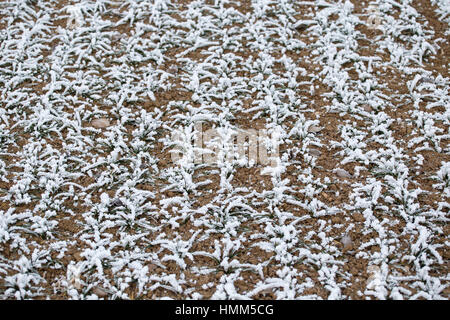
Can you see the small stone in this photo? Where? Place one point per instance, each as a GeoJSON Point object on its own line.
{"type": "Point", "coordinates": [302, 27]}
{"type": "Point", "coordinates": [347, 242]}
{"type": "Point", "coordinates": [427, 80]}
{"type": "Point", "coordinates": [358, 217]}
{"type": "Point", "coordinates": [367, 108]}
{"type": "Point", "coordinates": [336, 220]}
{"type": "Point", "coordinates": [99, 292]}
{"type": "Point", "coordinates": [118, 37]}
{"type": "Point", "coordinates": [117, 203]}
{"type": "Point", "coordinates": [285, 99]}
{"type": "Point", "coordinates": [315, 152]}
{"type": "Point", "coordinates": [173, 69]}
{"type": "Point", "coordinates": [314, 129]}
{"type": "Point", "coordinates": [341, 173]}
{"type": "Point", "coordinates": [100, 123]}
{"type": "Point", "coordinates": [325, 196]}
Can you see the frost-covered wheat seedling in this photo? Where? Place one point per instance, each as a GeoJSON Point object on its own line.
{"type": "Point", "coordinates": [158, 149]}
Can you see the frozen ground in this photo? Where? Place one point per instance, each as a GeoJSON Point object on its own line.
{"type": "Point", "coordinates": [92, 204]}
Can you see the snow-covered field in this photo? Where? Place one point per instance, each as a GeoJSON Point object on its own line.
{"type": "Point", "coordinates": [98, 98]}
